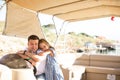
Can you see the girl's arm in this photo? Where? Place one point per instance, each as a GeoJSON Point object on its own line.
{"type": "Point", "coordinates": [46, 52]}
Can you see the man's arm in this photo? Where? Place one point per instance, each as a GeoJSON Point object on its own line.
{"type": "Point", "coordinates": [29, 58]}
{"type": "Point", "coordinates": [21, 54]}
{"type": "Point", "coordinates": [32, 56]}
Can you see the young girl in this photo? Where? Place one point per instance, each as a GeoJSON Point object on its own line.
{"type": "Point", "coordinates": [45, 48]}
{"type": "Point", "coordinates": [48, 63]}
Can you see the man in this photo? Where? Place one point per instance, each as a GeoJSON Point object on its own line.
{"type": "Point", "coordinates": [33, 41]}
{"type": "Point", "coordinates": [30, 54]}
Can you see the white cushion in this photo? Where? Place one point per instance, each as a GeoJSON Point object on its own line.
{"type": "Point", "coordinates": [5, 73]}
{"type": "Point", "coordinates": [23, 74]}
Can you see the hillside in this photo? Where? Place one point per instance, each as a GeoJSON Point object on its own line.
{"type": "Point", "coordinates": [63, 43]}
{"type": "Point", "coordinates": [1, 26]}
{"type": "Point", "coordinates": [71, 42]}
{"type": "Point", "coordinates": [11, 44]}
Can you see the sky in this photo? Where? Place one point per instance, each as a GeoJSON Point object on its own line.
{"type": "Point", "coordinates": [95, 27]}
{"type": "Point", "coordinates": [99, 27]}
{"type": "Point", "coordinates": [2, 11]}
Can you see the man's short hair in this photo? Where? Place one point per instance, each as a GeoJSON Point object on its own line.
{"type": "Point", "coordinates": [33, 37]}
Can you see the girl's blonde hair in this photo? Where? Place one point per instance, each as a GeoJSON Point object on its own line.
{"type": "Point", "coordinates": [44, 41]}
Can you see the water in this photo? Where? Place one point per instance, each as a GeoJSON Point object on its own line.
{"type": "Point", "coordinates": [110, 52]}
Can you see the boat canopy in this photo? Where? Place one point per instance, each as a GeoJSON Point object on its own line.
{"type": "Point", "coordinates": [22, 15]}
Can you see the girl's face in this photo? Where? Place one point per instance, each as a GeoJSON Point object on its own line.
{"type": "Point", "coordinates": [43, 46]}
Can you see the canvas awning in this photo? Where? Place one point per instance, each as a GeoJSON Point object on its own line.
{"type": "Point", "coordinates": [22, 14]}
{"type": "Point", "coordinates": [73, 9]}
{"type": "Point", "coordinates": [21, 22]}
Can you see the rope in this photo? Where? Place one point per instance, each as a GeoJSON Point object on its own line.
{"type": "Point", "coordinates": [40, 24]}
{"type": "Point", "coordinates": [58, 34]}
{"type": "Point", "coordinates": [54, 25]}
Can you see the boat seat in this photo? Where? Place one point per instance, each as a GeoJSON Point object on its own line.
{"type": "Point", "coordinates": [102, 70]}
{"type": "Point", "coordinates": [97, 67]}
{"type": "Point", "coordinates": [16, 74]}
{"type": "Point", "coordinates": [23, 74]}
{"type": "Point", "coordinates": [5, 73]}
{"type": "Point", "coordinates": [101, 73]}
{"type": "Point", "coordinates": [74, 72]}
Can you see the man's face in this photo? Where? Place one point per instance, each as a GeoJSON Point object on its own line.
{"type": "Point", "coordinates": [33, 45]}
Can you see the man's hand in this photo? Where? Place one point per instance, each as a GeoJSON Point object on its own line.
{"type": "Point", "coordinates": [20, 52]}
